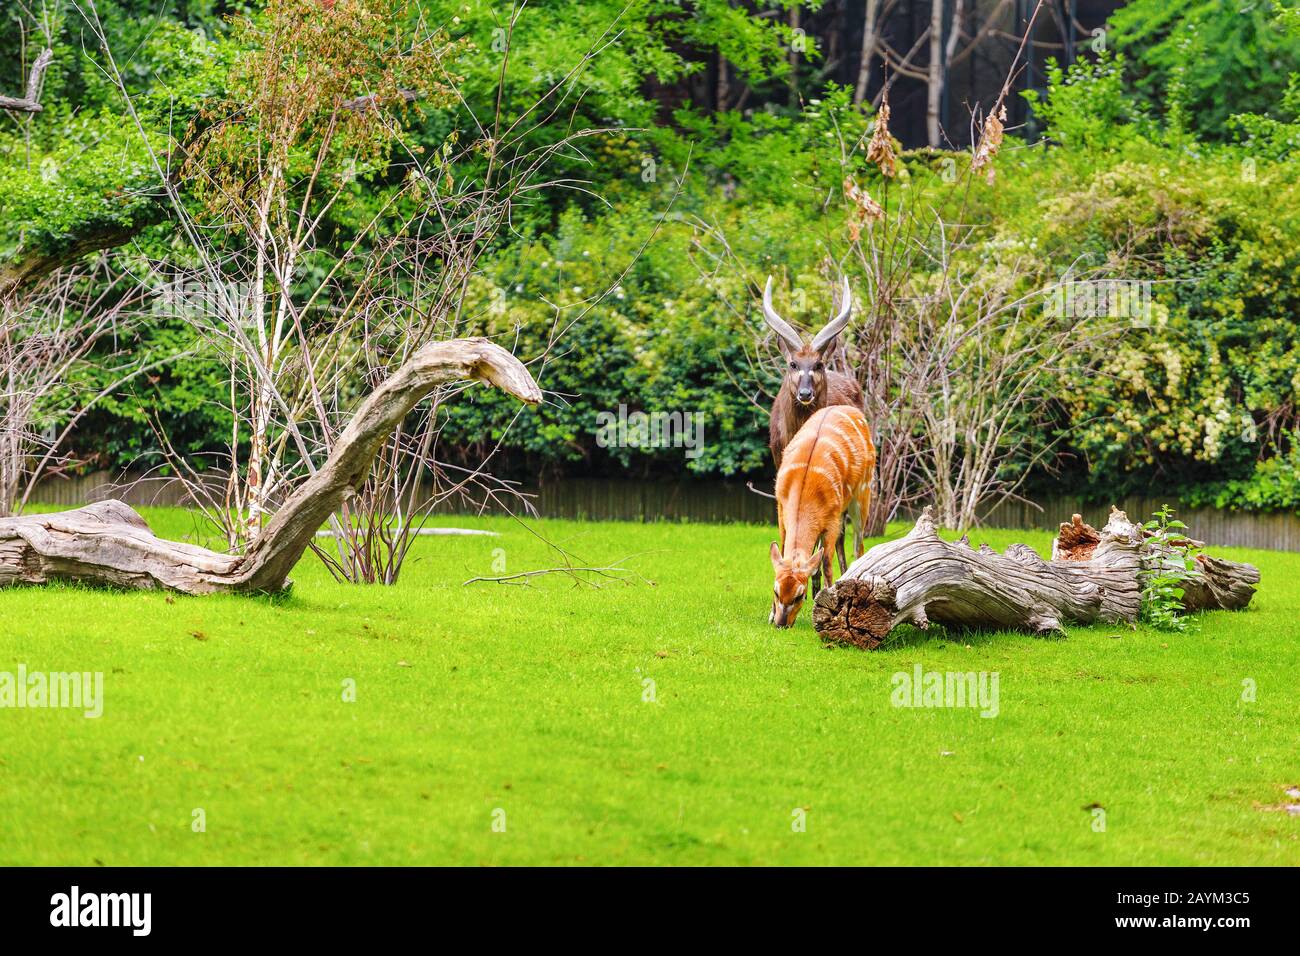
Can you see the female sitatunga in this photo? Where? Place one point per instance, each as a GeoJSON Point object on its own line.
{"type": "Point", "coordinates": [827, 467]}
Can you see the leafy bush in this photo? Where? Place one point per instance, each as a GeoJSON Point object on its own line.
{"type": "Point", "coordinates": [659, 341]}
{"type": "Point", "coordinates": [1273, 485]}
{"type": "Point", "coordinates": [1227, 57]}
{"type": "Point", "coordinates": [1086, 106]}
{"type": "Point", "coordinates": [1170, 563]}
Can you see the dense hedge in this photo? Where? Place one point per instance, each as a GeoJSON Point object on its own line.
{"type": "Point", "coordinates": [1201, 402]}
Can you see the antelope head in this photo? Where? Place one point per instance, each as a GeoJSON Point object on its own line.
{"type": "Point", "coordinates": [790, 586]}
{"type": "Point", "coordinates": [805, 373]}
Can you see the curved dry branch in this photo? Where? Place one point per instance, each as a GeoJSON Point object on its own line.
{"type": "Point", "coordinates": [31, 102]}
{"type": "Point", "coordinates": [108, 543]}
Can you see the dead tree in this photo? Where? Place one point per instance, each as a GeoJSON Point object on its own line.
{"type": "Point", "coordinates": [109, 544]}
{"type": "Point", "coordinates": [1093, 577]}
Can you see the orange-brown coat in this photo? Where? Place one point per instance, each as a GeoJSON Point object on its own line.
{"type": "Point", "coordinates": [827, 467]}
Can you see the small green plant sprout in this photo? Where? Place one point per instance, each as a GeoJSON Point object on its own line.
{"type": "Point", "coordinates": [1169, 563]}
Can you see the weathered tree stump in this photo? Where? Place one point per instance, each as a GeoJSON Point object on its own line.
{"type": "Point", "coordinates": [1093, 576]}
{"type": "Point", "coordinates": [110, 544]}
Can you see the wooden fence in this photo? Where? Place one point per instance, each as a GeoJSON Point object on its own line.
{"type": "Point", "coordinates": [1277, 531]}
{"type": "Point", "coordinates": [724, 501]}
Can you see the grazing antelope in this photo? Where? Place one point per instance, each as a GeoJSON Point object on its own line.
{"type": "Point", "coordinates": [827, 467]}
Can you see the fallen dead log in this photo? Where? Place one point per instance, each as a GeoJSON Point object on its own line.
{"type": "Point", "coordinates": [1223, 585]}
{"type": "Point", "coordinates": [1219, 585]}
{"type": "Point", "coordinates": [1093, 577]}
{"type": "Point", "coordinates": [922, 578]}
{"type": "Point", "coordinates": [109, 543]}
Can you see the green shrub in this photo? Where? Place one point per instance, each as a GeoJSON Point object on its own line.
{"type": "Point", "coordinates": [1169, 565]}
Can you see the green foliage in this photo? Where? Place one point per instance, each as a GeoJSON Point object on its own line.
{"type": "Point", "coordinates": [591, 66]}
{"type": "Point", "coordinates": [277, 129]}
{"type": "Point", "coordinates": [1169, 564]}
{"type": "Point", "coordinates": [1217, 363]}
{"type": "Point", "coordinates": [1193, 397]}
{"type": "Point", "coordinates": [1200, 393]}
{"type": "Point", "coordinates": [771, 157]}
{"type": "Point", "coordinates": [654, 340]}
{"type": "Point", "coordinates": [1086, 107]}
{"type": "Point", "coordinates": [1229, 57]}
{"type": "Point", "coordinates": [1276, 136]}
{"type": "Point", "coordinates": [94, 178]}
{"type": "Point", "coordinates": [1271, 137]}
{"type": "Point", "coordinates": [754, 45]}
{"type": "Point", "coordinates": [1273, 485]}
{"type": "Point", "coordinates": [186, 397]}
{"type": "Point", "coordinates": [1199, 397]}
{"type": "Point", "coordinates": [80, 167]}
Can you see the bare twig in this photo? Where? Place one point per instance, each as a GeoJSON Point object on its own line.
{"type": "Point", "coordinates": [614, 572]}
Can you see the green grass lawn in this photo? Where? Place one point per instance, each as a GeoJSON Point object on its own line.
{"type": "Point", "coordinates": [473, 700]}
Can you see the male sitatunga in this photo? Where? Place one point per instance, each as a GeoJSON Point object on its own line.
{"type": "Point", "coordinates": [808, 384]}
{"type": "Point", "coordinates": [826, 468]}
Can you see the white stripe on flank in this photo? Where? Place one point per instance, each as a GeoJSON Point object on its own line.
{"type": "Point", "coordinates": [833, 477]}
{"type": "Point", "coordinates": [837, 453]}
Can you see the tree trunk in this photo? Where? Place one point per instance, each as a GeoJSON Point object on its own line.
{"type": "Point", "coordinates": [869, 39]}
{"type": "Point", "coordinates": [934, 76]}
{"type": "Point", "coordinates": [921, 578]}
{"type": "Point", "coordinates": [108, 543]}
{"type": "Point", "coordinates": [31, 266]}
{"type": "Point", "coordinates": [941, 55]}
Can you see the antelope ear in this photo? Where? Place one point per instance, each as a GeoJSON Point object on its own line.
{"type": "Point", "coordinates": [776, 555]}
{"type": "Point", "coordinates": [814, 562]}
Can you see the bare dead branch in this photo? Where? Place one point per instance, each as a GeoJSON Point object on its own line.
{"type": "Point", "coordinates": [31, 102]}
